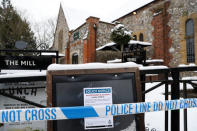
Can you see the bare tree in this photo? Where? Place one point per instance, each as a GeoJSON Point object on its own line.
{"type": "Point", "coordinates": [44, 32]}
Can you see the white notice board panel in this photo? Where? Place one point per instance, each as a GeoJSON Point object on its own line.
{"type": "Point", "coordinates": [33, 91]}
{"type": "Point", "coordinates": [98, 96]}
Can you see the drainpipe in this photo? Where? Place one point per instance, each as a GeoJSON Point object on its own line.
{"type": "Point", "coordinates": [95, 33]}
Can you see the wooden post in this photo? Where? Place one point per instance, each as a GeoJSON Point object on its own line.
{"type": "Point", "coordinates": [175, 94]}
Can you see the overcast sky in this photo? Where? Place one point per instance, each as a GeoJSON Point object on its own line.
{"type": "Point", "coordinates": [76, 11]}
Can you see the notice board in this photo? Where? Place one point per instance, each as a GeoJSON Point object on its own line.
{"type": "Point", "coordinates": [29, 90]}
{"type": "Point", "coordinates": [65, 88]}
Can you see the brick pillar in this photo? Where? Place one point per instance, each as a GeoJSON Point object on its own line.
{"type": "Point", "coordinates": [91, 40]}
{"type": "Point", "coordinates": [162, 42]}
{"type": "Point", "coordinates": [67, 55]}
{"type": "Point", "coordinates": [85, 51]}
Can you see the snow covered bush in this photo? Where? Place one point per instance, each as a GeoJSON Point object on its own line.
{"type": "Point", "coordinates": [120, 35]}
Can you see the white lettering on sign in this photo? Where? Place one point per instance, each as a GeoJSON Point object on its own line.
{"type": "Point", "coordinates": [20, 63]}
{"type": "Point", "coordinates": [28, 63]}
{"type": "Point", "coordinates": [11, 62]}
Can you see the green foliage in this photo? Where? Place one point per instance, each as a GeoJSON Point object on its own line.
{"type": "Point", "coordinates": [120, 35]}
{"type": "Point", "coordinates": [13, 28]}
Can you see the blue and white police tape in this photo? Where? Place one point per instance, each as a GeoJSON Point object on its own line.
{"type": "Point", "coordinates": [57, 113]}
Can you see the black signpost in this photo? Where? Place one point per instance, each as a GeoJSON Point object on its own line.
{"type": "Point", "coordinates": [135, 53]}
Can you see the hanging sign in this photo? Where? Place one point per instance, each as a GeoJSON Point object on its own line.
{"type": "Point", "coordinates": [25, 62]}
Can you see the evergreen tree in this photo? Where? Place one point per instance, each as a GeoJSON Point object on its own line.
{"type": "Point", "coordinates": [120, 35]}
{"type": "Point", "coordinates": [13, 28]}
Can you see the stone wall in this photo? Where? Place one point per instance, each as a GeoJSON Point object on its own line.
{"type": "Point", "coordinates": [76, 46]}
{"type": "Point", "coordinates": [104, 56]}
{"type": "Point", "coordinates": [103, 33]}
{"type": "Point", "coordinates": [61, 29]}
{"type": "Point", "coordinates": [180, 11]}
{"type": "Point", "coordinates": [140, 23]}
{"type": "Point", "coordinates": [163, 24]}
{"type": "Point", "coordinates": [83, 29]}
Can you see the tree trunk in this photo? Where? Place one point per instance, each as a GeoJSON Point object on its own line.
{"type": "Point", "coordinates": [122, 47]}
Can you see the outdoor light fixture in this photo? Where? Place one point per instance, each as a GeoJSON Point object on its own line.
{"type": "Point", "coordinates": [94, 26]}
{"type": "Point", "coordinates": [134, 13]}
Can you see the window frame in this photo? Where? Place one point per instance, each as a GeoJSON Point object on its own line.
{"type": "Point", "coordinates": [190, 40]}
{"type": "Point", "coordinates": [75, 58]}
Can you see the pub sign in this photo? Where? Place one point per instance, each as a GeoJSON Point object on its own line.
{"type": "Point", "coordinates": [25, 62]}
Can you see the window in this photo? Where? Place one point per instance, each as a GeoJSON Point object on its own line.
{"type": "Point", "coordinates": [60, 40]}
{"type": "Point", "coordinates": [134, 37]}
{"type": "Point", "coordinates": [76, 36]}
{"type": "Point", "coordinates": [75, 58]}
{"type": "Point", "coordinates": [141, 37]}
{"type": "Point", "coordinates": [190, 41]}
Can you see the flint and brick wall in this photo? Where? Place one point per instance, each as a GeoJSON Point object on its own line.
{"type": "Point", "coordinates": [76, 46]}
{"type": "Point", "coordinates": [181, 11]}
{"type": "Point", "coordinates": [163, 23]}
{"type": "Point", "coordinates": [103, 33]}
{"type": "Point", "coordinates": [141, 23]}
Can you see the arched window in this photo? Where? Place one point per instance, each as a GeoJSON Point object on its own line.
{"type": "Point", "coordinates": [60, 41]}
{"type": "Point", "coordinates": [141, 37]}
{"type": "Point", "coordinates": [134, 37]}
{"type": "Point", "coordinates": [189, 31]}
{"type": "Point", "coordinates": [75, 58]}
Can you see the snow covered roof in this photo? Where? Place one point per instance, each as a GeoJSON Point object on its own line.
{"type": "Point", "coordinates": [23, 74]}
{"type": "Point", "coordinates": [52, 54]}
{"type": "Point", "coordinates": [130, 42]}
{"type": "Point", "coordinates": [190, 65]}
{"type": "Point", "coordinates": [106, 45]}
{"type": "Point", "coordinates": [139, 42]}
{"type": "Point", "coordinates": [154, 60]}
{"type": "Point", "coordinates": [53, 67]}
{"type": "Point", "coordinates": [115, 61]}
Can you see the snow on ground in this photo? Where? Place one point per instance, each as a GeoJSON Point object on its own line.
{"type": "Point", "coordinates": [156, 119]}
{"type": "Point", "coordinates": [26, 74]}
{"type": "Point", "coordinates": [153, 67]}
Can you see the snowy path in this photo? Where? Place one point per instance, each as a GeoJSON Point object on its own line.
{"type": "Point", "coordinates": [156, 119]}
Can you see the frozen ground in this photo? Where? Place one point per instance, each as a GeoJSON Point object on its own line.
{"type": "Point", "coordinates": [156, 119]}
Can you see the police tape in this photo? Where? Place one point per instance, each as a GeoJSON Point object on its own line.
{"type": "Point", "coordinates": [59, 113]}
